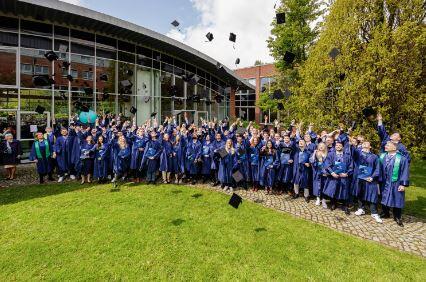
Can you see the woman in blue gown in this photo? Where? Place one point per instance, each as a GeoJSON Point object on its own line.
{"type": "Point", "coordinates": [269, 163]}
{"type": "Point", "coordinates": [193, 157]}
{"type": "Point", "coordinates": [254, 159]}
{"type": "Point", "coordinates": [87, 158]}
{"type": "Point", "coordinates": [101, 160]}
{"type": "Point", "coordinates": [301, 171]}
{"type": "Point", "coordinates": [227, 165]}
{"type": "Point", "coordinates": [207, 159]}
{"type": "Point", "coordinates": [150, 160]}
{"type": "Point", "coordinates": [166, 158]}
{"type": "Point", "coordinates": [317, 160]}
{"type": "Point", "coordinates": [285, 172]}
{"type": "Point", "coordinates": [121, 157]}
{"type": "Point", "coordinates": [41, 153]}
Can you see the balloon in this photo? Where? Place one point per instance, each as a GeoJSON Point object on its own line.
{"type": "Point", "coordinates": [88, 117]}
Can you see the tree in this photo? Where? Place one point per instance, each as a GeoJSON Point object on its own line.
{"type": "Point", "coordinates": [381, 64]}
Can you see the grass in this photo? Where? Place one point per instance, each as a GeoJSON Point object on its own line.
{"type": "Point", "coordinates": [416, 194]}
{"type": "Point", "coordinates": [70, 232]}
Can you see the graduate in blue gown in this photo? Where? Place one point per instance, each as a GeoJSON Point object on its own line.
{"type": "Point", "coordinates": [227, 166]}
{"type": "Point", "coordinates": [302, 170]}
{"type": "Point", "coordinates": [87, 156]}
{"type": "Point", "coordinates": [178, 158]}
{"type": "Point", "coordinates": [285, 173]}
{"type": "Point", "coordinates": [41, 153]}
{"type": "Point", "coordinates": [193, 157]}
{"type": "Point", "coordinates": [139, 141]}
{"type": "Point", "coordinates": [207, 159]}
{"type": "Point", "coordinates": [64, 152]}
{"type": "Point", "coordinates": [319, 178]}
{"type": "Point", "coordinates": [394, 179]}
{"type": "Point", "coordinates": [217, 144]}
{"type": "Point", "coordinates": [268, 164]}
{"type": "Point", "coordinates": [102, 155]}
{"type": "Point", "coordinates": [254, 162]}
{"type": "Point", "coordinates": [121, 159]}
{"type": "Point", "coordinates": [366, 187]}
{"type": "Point", "coordinates": [241, 151]}
{"type": "Point", "coordinates": [151, 158]}
{"type": "Point", "coordinates": [166, 158]}
{"type": "Point", "coordinates": [395, 138]}
{"type": "Point", "coordinates": [339, 167]}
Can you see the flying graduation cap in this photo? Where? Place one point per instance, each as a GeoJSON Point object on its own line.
{"type": "Point", "coordinates": [51, 56]}
{"type": "Point", "coordinates": [278, 94]}
{"type": "Point", "coordinates": [289, 57]}
{"type": "Point", "coordinates": [334, 53]}
{"type": "Point", "coordinates": [233, 38]}
{"type": "Point", "coordinates": [133, 110]}
{"type": "Point", "coordinates": [209, 36]}
{"type": "Point", "coordinates": [237, 176]}
{"type": "Point", "coordinates": [369, 113]}
{"type": "Point", "coordinates": [287, 93]}
{"type": "Point", "coordinates": [39, 109]}
{"type": "Point", "coordinates": [42, 80]}
{"type": "Point", "coordinates": [237, 61]}
{"type": "Point", "coordinates": [280, 18]}
{"type": "Point", "coordinates": [103, 77]}
{"type": "Point", "coordinates": [176, 24]}
{"type": "Point", "coordinates": [235, 201]}
{"type": "Point", "coordinates": [280, 106]}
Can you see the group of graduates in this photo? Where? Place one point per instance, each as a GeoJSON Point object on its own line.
{"type": "Point", "coordinates": [330, 167]}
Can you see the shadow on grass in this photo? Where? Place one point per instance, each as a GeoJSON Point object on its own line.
{"type": "Point", "coordinates": [260, 229]}
{"type": "Point", "coordinates": [416, 208]}
{"type": "Point", "coordinates": [14, 195]}
{"type": "Point", "coordinates": [197, 195]}
{"type": "Point", "coordinates": [177, 221]}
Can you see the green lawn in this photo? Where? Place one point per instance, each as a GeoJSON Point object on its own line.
{"type": "Point", "coordinates": [70, 232]}
{"type": "Point", "coordinates": [416, 193]}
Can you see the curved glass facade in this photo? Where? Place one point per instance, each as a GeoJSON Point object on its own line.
{"type": "Point", "coordinates": [100, 67]}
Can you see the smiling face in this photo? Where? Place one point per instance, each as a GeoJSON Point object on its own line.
{"type": "Point", "coordinates": [307, 138]}
{"type": "Point", "coordinates": [229, 144]}
{"type": "Point", "coordinates": [339, 147]}
{"type": "Point", "coordinates": [390, 147]}
{"type": "Point", "coordinates": [366, 146]}
{"type": "Point", "coordinates": [64, 132]}
{"type": "Point", "coordinates": [302, 144]}
{"type": "Point", "coordinates": [218, 137]}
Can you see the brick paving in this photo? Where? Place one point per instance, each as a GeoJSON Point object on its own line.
{"type": "Point", "coordinates": [410, 238]}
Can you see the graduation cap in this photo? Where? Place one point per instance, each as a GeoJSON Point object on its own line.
{"type": "Point", "coordinates": [219, 66]}
{"type": "Point", "coordinates": [210, 36]}
{"type": "Point", "coordinates": [235, 200]}
{"type": "Point", "coordinates": [194, 80]}
{"type": "Point", "coordinates": [334, 53]}
{"type": "Point", "coordinates": [63, 48]}
{"type": "Point", "coordinates": [42, 80]}
{"type": "Point", "coordinates": [51, 56]}
{"type": "Point", "coordinates": [222, 152]}
{"type": "Point", "coordinates": [218, 98]}
{"type": "Point", "coordinates": [146, 99]}
{"type": "Point", "coordinates": [287, 150]}
{"type": "Point", "coordinates": [39, 109]}
{"type": "Point", "coordinates": [280, 18]}
{"type": "Point", "coordinates": [280, 106]}
{"type": "Point", "coordinates": [369, 113]}
{"type": "Point", "coordinates": [278, 94]}
{"type": "Point", "coordinates": [238, 176]}
{"type": "Point", "coordinates": [153, 114]}
{"type": "Point", "coordinates": [175, 23]}
{"type": "Point", "coordinates": [289, 57]}
{"type": "Point", "coordinates": [133, 110]}
{"type": "Point", "coordinates": [103, 77]}
{"type": "Point", "coordinates": [242, 114]}
{"type": "Point", "coordinates": [342, 76]}
{"type": "Point", "coordinates": [65, 64]}
{"type": "Point", "coordinates": [126, 83]}
{"type": "Point", "coordinates": [129, 72]}
{"type": "Point", "coordinates": [263, 89]}
{"type": "Point", "coordinates": [88, 90]}
{"type": "Point", "coordinates": [232, 37]}
{"type": "Point", "coordinates": [237, 61]}
{"type": "Point", "coordinates": [287, 93]}
{"type": "Point", "coordinates": [70, 78]}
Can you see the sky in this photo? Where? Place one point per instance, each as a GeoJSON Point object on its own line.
{"type": "Point", "coordinates": [250, 20]}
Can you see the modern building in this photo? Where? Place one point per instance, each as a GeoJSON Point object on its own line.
{"type": "Point", "coordinates": [245, 100]}
{"type": "Point", "coordinates": [105, 63]}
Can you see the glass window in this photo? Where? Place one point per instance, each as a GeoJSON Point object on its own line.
{"type": "Point", "coordinates": [10, 24]}
{"type": "Point", "coordinates": [180, 87]}
{"type": "Point", "coordinates": [34, 60]}
{"type": "Point", "coordinates": [41, 70]}
{"type": "Point", "coordinates": [7, 66]}
{"type": "Point", "coordinates": [87, 75]}
{"type": "Point", "coordinates": [27, 69]}
{"type": "Point", "coordinates": [84, 37]}
{"type": "Point", "coordinates": [36, 42]}
{"type": "Point", "coordinates": [61, 107]}
{"type": "Point", "coordinates": [144, 51]}
{"type": "Point", "coordinates": [144, 61]}
{"type": "Point", "coordinates": [8, 39]}
{"type": "Point", "coordinates": [36, 28]}
{"type": "Point", "coordinates": [166, 108]}
{"type": "Point", "coordinates": [106, 69]}
{"type": "Point", "coordinates": [61, 32]}
{"type": "Point", "coordinates": [106, 53]}
{"type": "Point", "coordinates": [252, 81]}
{"type": "Point", "coordinates": [8, 100]}
{"type": "Point", "coordinates": [82, 49]}
{"type": "Point", "coordinates": [167, 59]}
{"type": "Point", "coordinates": [126, 57]}
{"type": "Point", "coordinates": [125, 46]}
{"type": "Point", "coordinates": [107, 41]}
{"type": "Point", "coordinates": [166, 86]}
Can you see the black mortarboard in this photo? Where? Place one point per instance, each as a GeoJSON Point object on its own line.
{"type": "Point", "coordinates": [210, 36]}
{"type": "Point", "coordinates": [289, 57]}
{"type": "Point", "coordinates": [70, 78]}
{"type": "Point", "coordinates": [237, 61]}
{"type": "Point", "coordinates": [65, 64]}
{"type": "Point", "coordinates": [194, 80]}
{"type": "Point", "coordinates": [175, 23]}
{"type": "Point", "coordinates": [51, 56]}
{"type": "Point", "coordinates": [39, 109]}
{"type": "Point", "coordinates": [219, 65]}
{"type": "Point", "coordinates": [133, 110]}
{"type": "Point", "coordinates": [153, 114]}
{"type": "Point", "coordinates": [280, 106]}
{"type": "Point", "coordinates": [222, 152]}
{"type": "Point", "coordinates": [238, 176]}
{"type": "Point", "coordinates": [103, 77]}
{"type": "Point", "coordinates": [235, 200]}
{"type": "Point", "coordinates": [278, 94]}
{"type": "Point", "coordinates": [334, 53]}
{"type": "Point", "coordinates": [242, 114]}
{"type": "Point", "coordinates": [263, 89]}
{"type": "Point", "coordinates": [287, 93]}
{"type": "Point", "coordinates": [129, 72]}
{"type": "Point", "coordinates": [369, 112]}
{"type": "Point", "coordinates": [232, 37]}
{"type": "Point", "coordinates": [126, 83]}
{"type": "Point", "coordinates": [287, 150]}
{"type": "Point", "coordinates": [88, 90]}
{"type": "Point", "coordinates": [146, 99]}
{"type": "Point", "coordinates": [342, 76]}
{"type": "Point", "coordinates": [280, 18]}
{"type": "Point", "coordinates": [218, 98]}
{"type": "Point", "coordinates": [42, 80]}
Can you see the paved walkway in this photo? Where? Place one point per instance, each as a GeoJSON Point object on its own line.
{"type": "Point", "coordinates": [411, 238]}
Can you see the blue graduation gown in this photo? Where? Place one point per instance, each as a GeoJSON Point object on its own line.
{"type": "Point", "coordinates": [285, 172]}
{"type": "Point", "coordinates": [121, 160]}
{"type": "Point", "coordinates": [338, 188]}
{"type": "Point", "coordinates": [254, 160]}
{"type": "Point", "coordinates": [102, 155]}
{"type": "Point", "coordinates": [384, 138]}
{"type": "Point", "coordinates": [318, 178]}
{"type": "Point", "coordinates": [138, 146]}
{"type": "Point", "coordinates": [364, 190]}
{"type": "Point", "coordinates": [166, 161]}
{"type": "Point", "coordinates": [65, 157]}
{"type": "Point", "coordinates": [243, 160]}
{"type": "Point", "coordinates": [226, 166]}
{"type": "Point", "coordinates": [268, 164]}
{"type": "Point", "coordinates": [43, 164]}
{"type": "Point", "coordinates": [151, 156]}
{"type": "Point", "coordinates": [391, 197]}
{"type": "Point", "coordinates": [216, 158]}
{"type": "Point", "coordinates": [193, 152]}
{"type": "Point", "coordinates": [301, 173]}
{"type": "Point", "coordinates": [207, 158]}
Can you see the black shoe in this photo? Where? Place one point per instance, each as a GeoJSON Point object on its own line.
{"type": "Point", "coordinates": [333, 207]}
{"type": "Point", "coordinates": [346, 210]}
{"type": "Point", "coordinates": [216, 183]}
{"type": "Point", "coordinates": [51, 179]}
{"type": "Point", "coordinates": [307, 199]}
{"type": "Point", "coordinates": [194, 182]}
{"type": "Point", "coordinates": [384, 215]}
{"type": "Point", "coordinates": [295, 196]}
{"type": "Point", "coordinates": [399, 222]}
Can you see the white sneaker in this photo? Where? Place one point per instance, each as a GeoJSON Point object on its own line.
{"type": "Point", "coordinates": [324, 204]}
{"type": "Point", "coordinates": [318, 201]}
{"type": "Point", "coordinates": [114, 180]}
{"type": "Point", "coordinates": [225, 188]}
{"type": "Point", "coordinates": [360, 212]}
{"type": "Point", "coordinates": [231, 189]}
{"type": "Point", "coordinates": [377, 218]}
{"type": "Point", "coordinates": [61, 179]}
{"type": "Point", "coordinates": [72, 177]}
